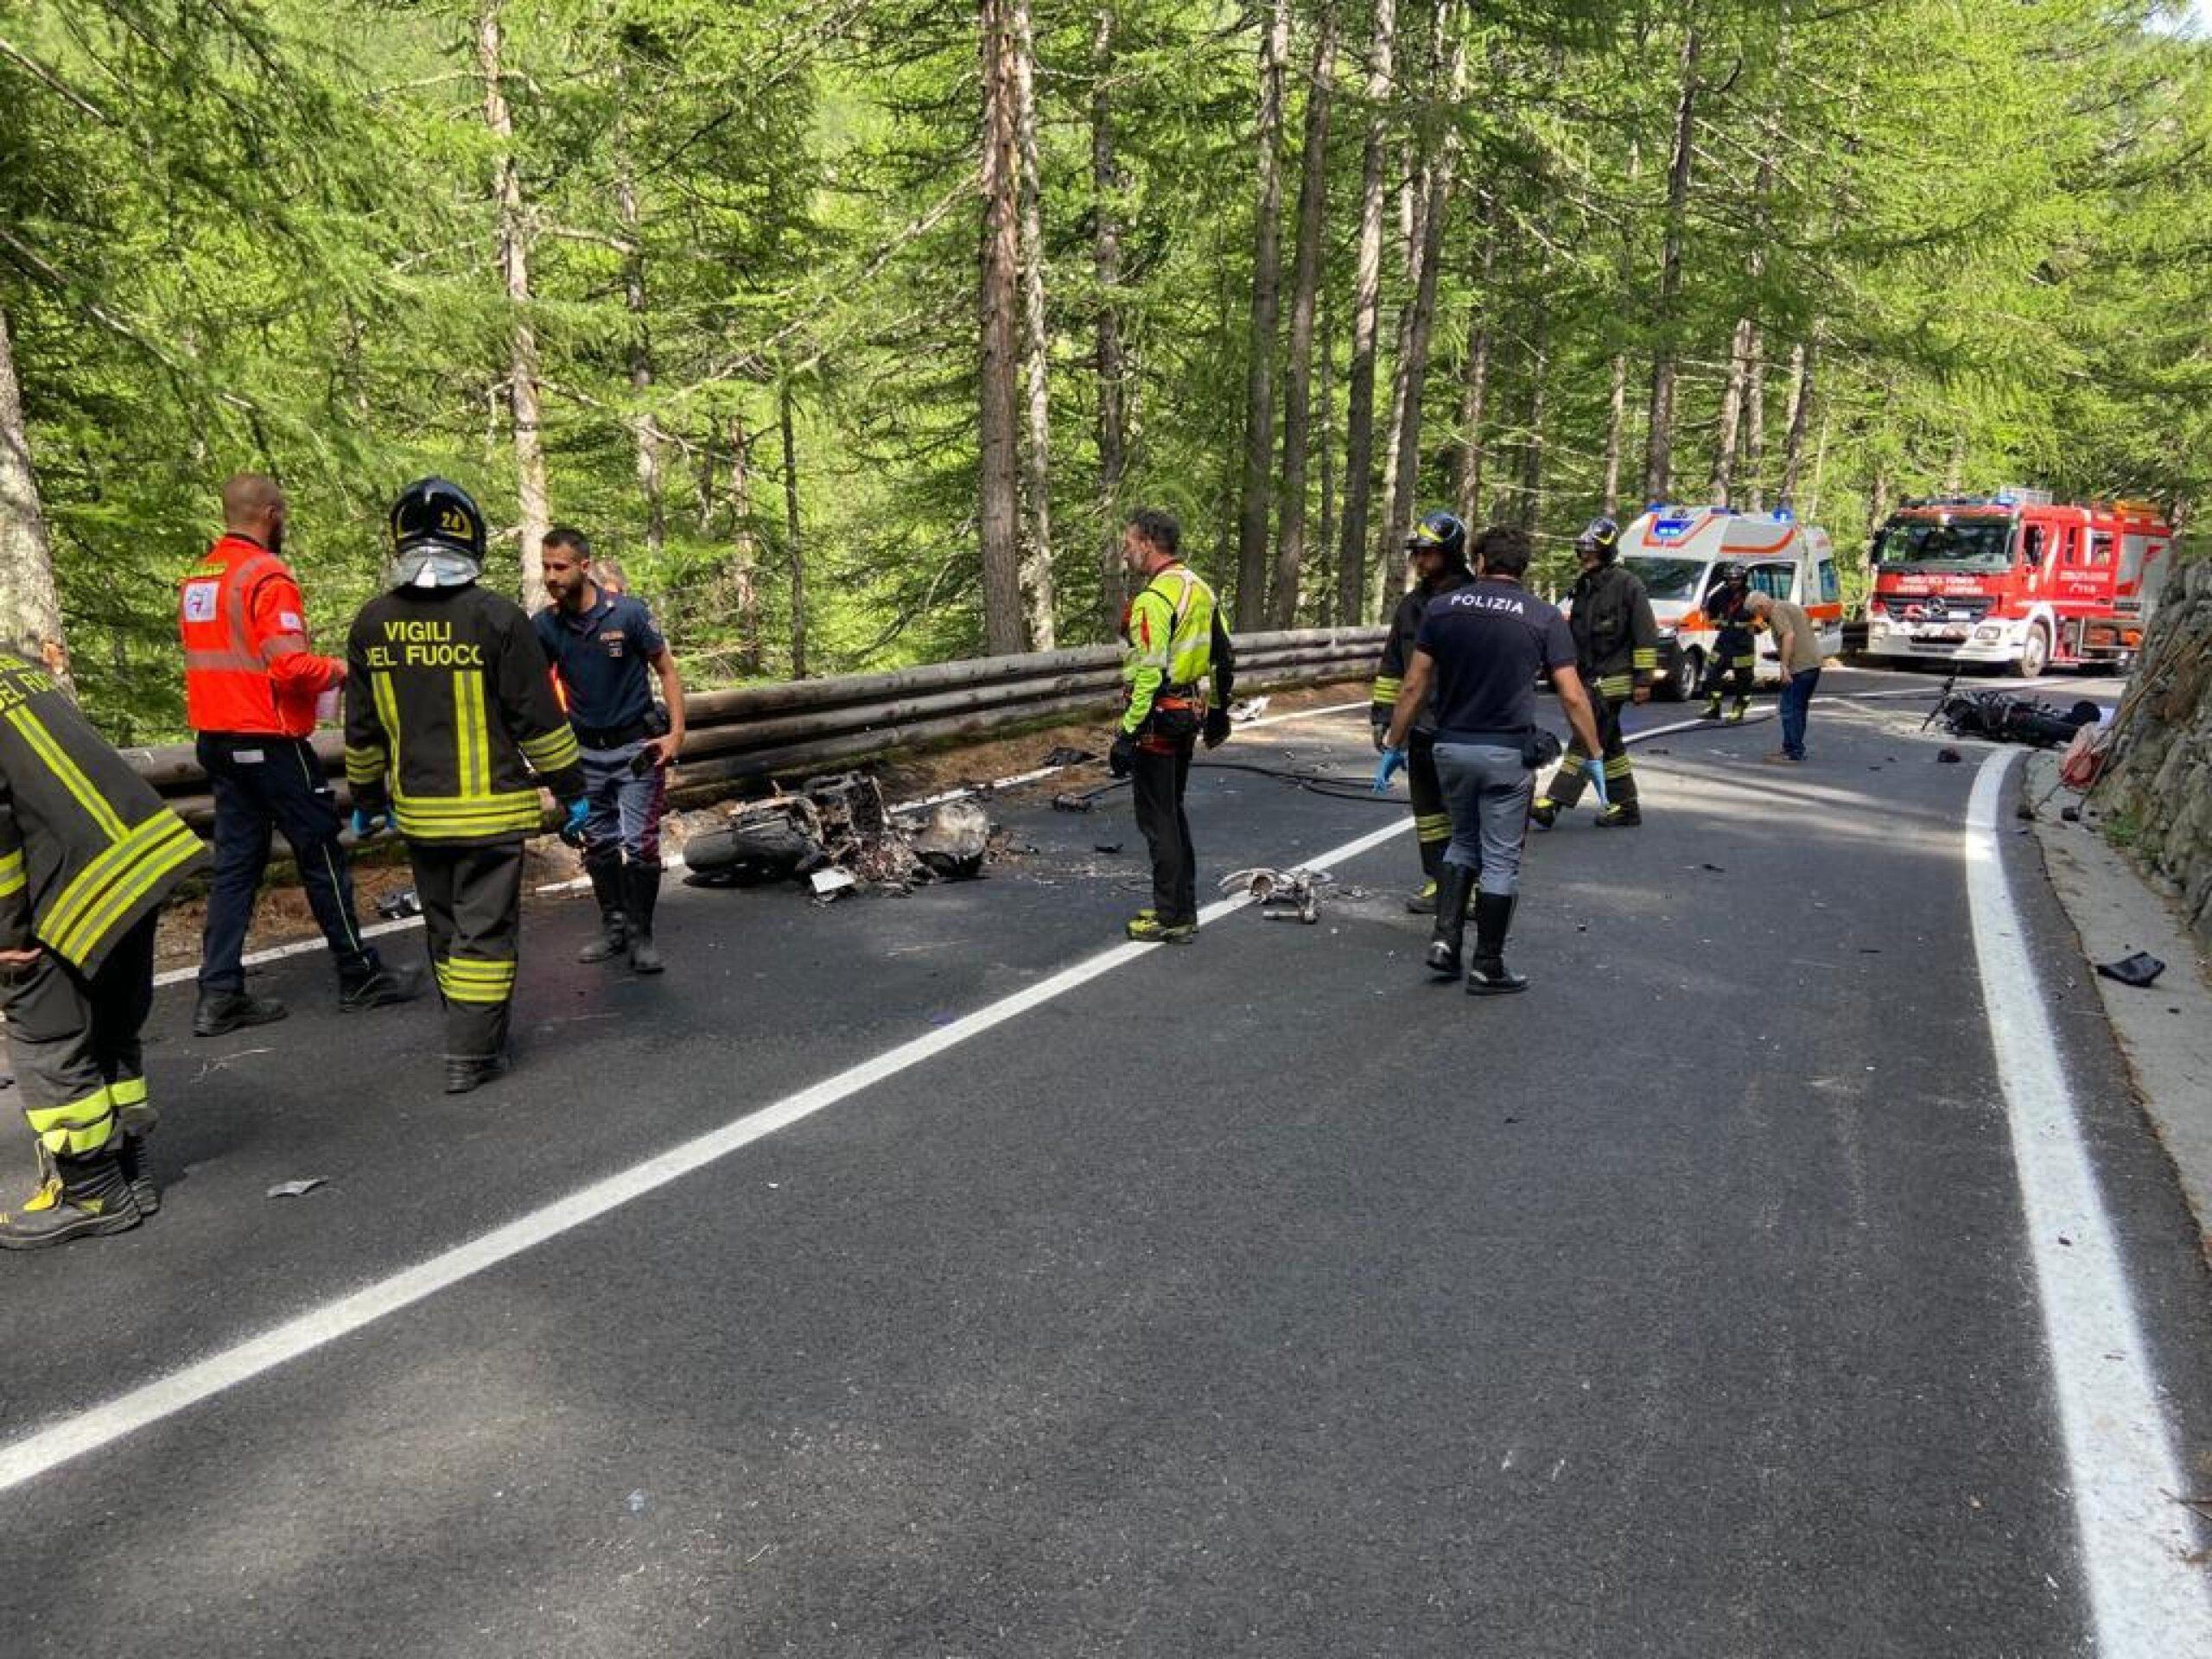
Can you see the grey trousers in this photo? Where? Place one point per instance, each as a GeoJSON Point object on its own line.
{"type": "Point", "coordinates": [1487, 791]}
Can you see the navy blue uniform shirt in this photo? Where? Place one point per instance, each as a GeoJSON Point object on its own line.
{"type": "Point", "coordinates": [604, 656]}
{"type": "Point", "coordinates": [1488, 639]}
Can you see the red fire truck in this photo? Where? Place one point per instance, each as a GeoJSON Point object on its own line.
{"type": "Point", "coordinates": [2015, 578]}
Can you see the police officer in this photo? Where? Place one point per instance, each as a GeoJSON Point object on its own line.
{"type": "Point", "coordinates": [250, 686]}
{"type": "Point", "coordinates": [1475, 664]}
{"type": "Point", "coordinates": [449, 712]}
{"type": "Point", "coordinates": [601, 642]}
{"type": "Point", "coordinates": [1174, 640]}
{"type": "Point", "coordinates": [1735, 654]}
{"type": "Point", "coordinates": [1438, 552]}
{"type": "Point", "coordinates": [88, 854]}
{"type": "Point", "coordinates": [1617, 646]}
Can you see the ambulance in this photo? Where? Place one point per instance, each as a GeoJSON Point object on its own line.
{"type": "Point", "coordinates": [1678, 552]}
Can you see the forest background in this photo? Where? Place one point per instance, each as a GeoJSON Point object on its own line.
{"type": "Point", "coordinates": [855, 327]}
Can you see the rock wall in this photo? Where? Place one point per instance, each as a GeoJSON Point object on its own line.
{"type": "Point", "coordinates": [2159, 785]}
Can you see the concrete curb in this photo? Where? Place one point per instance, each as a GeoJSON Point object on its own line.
{"type": "Point", "coordinates": [2165, 1031]}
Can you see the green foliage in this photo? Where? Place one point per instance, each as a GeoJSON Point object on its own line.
{"type": "Point", "coordinates": [267, 237]}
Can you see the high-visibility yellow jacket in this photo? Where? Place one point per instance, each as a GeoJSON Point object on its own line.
{"type": "Point", "coordinates": [88, 849]}
{"type": "Point", "coordinates": [1174, 635]}
{"type": "Point", "coordinates": [450, 714]}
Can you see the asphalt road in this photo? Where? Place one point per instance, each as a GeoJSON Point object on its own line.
{"type": "Point", "coordinates": [1258, 1297]}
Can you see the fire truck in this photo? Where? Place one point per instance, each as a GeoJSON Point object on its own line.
{"type": "Point", "coordinates": [2016, 579]}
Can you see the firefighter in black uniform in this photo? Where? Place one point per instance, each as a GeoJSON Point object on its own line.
{"type": "Point", "coordinates": [1735, 653]}
{"type": "Point", "coordinates": [1438, 551]}
{"type": "Point", "coordinates": [449, 714]}
{"type": "Point", "coordinates": [1618, 643]}
{"type": "Point", "coordinates": [88, 853]}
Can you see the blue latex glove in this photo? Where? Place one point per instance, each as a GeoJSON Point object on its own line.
{"type": "Point", "coordinates": [1595, 771]}
{"type": "Point", "coordinates": [1392, 763]}
{"type": "Point", "coordinates": [572, 828]}
{"type": "Point", "coordinates": [366, 823]}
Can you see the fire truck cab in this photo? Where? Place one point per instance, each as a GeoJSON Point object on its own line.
{"type": "Point", "coordinates": [2016, 579]}
{"type": "Point", "coordinates": [1678, 552]}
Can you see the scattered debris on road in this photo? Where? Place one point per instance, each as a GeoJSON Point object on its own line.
{"type": "Point", "coordinates": [1282, 895]}
{"type": "Point", "coordinates": [2006, 717]}
{"type": "Point", "coordinates": [1245, 710]}
{"type": "Point", "coordinates": [2139, 970]}
{"type": "Point", "coordinates": [298, 1189]}
{"type": "Point", "coordinates": [835, 833]}
{"type": "Point", "coordinates": [398, 906]}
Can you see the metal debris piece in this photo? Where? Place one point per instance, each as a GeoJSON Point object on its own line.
{"type": "Point", "coordinates": [1282, 895]}
{"type": "Point", "coordinates": [298, 1189]}
{"type": "Point", "coordinates": [1245, 710]}
{"type": "Point", "coordinates": [835, 822]}
{"type": "Point", "coordinates": [828, 882]}
{"type": "Point", "coordinates": [398, 906]}
{"type": "Point", "coordinates": [953, 841]}
{"type": "Point", "coordinates": [2139, 970]}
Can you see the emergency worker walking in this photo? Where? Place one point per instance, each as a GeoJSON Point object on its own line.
{"type": "Point", "coordinates": [1175, 641]}
{"type": "Point", "coordinates": [449, 713]}
{"type": "Point", "coordinates": [1735, 654]}
{"type": "Point", "coordinates": [600, 643]}
{"type": "Point", "coordinates": [251, 687]}
{"type": "Point", "coordinates": [88, 854]}
{"type": "Point", "coordinates": [1475, 662]}
{"type": "Point", "coordinates": [1438, 551]}
{"type": "Point", "coordinates": [1617, 646]}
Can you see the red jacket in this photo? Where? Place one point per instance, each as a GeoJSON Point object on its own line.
{"type": "Point", "coordinates": [247, 667]}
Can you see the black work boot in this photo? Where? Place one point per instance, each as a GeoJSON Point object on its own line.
{"type": "Point", "coordinates": [224, 1011]}
{"type": "Point", "coordinates": [1453, 883]}
{"type": "Point", "coordinates": [380, 990]}
{"type": "Point", "coordinates": [640, 892]}
{"type": "Point", "coordinates": [463, 1075]}
{"type": "Point", "coordinates": [1621, 815]}
{"type": "Point", "coordinates": [84, 1198]}
{"type": "Point", "coordinates": [1488, 976]}
{"type": "Point", "coordinates": [614, 926]}
{"type": "Point", "coordinates": [130, 1155]}
{"type": "Point", "coordinates": [1543, 812]}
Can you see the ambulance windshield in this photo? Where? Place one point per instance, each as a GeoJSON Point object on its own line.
{"type": "Point", "coordinates": [1666, 578]}
{"type": "Point", "coordinates": [1961, 545]}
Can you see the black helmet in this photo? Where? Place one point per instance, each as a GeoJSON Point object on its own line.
{"type": "Point", "coordinates": [437, 512]}
{"type": "Point", "coordinates": [1443, 533]}
{"type": "Point", "coordinates": [1734, 572]}
{"type": "Point", "coordinates": [1600, 535]}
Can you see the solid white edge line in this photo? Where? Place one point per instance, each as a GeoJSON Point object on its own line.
{"type": "Point", "coordinates": [102, 1425]}
{"type": "Point", "coordinates": [2146, 1601]}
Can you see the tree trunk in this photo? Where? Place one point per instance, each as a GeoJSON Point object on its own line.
{"type": "Point", "coordinates": [744, 548]}
{"type": "Point", "coordinates": [1421, 319]}
{"type": "Point", "coordinates": [1254, 501]}
{"type": "Point", "coordinates": [530, 497]}
{"type": "Point", "coordinates": [1306, 283]}
{"type": "Point", "coordinates": [1731, 413]}
{"type": "Point", "coordinates": [1659, 453]}
{"type": "Point", "coordinates": [1367, 294]}
{"type": "Point", "coordinates": [1000, 509]}
{"type": "Point", "coordinates": [1474, 378]}
{"type": "Point", "coordinates": [1755, 424]}
{"type": "Point", "coordinates": [794, 548]}
{"type": "Point", "coordinates": [1615, 434]}
{"type": "Point", "coordinates": [1532, 445]}
{"type": "Point", "coordinates": [1954, 473]}
{"type": "Point", "coordinates": [1324, 532]}
{"type": "Point", "coordinates": [1036, 569]}
{"type": "Point", "coordinates": [1106, 260]}
{"type": "Point", "coordinates": [1800, 405]}
{"type": "Point", "coordinates": [31, 606]}
{"type": "Point", "coordinates": [641, 361]}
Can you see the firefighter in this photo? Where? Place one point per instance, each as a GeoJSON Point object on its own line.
{"type": "Point", "coordinates": [250, 686]}
{"type": "Point", "coordinates": [449, 712]}
{"type": "Point", "coordinates": [1175, 641]}
{"type": "Point", "coordinates": [1735, 654]}
{"type": "Point", "coordinates": [1438, 552]}
{"type": "Point", "coordinates": [1617, 646]}
{"type": "Point", "coordinates": [88, 854]}
{"type": "Point", "coordinates": [602, 646]}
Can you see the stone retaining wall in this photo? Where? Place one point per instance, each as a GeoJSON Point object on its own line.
{"type": "Point", "coordinates": [2160, 784]}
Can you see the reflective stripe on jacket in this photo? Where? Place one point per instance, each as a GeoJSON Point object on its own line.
{"type": "Point", "coordinates": [1169, 633]}
{"type": "Point", "coordinates": [1615, 636]}
{"type": "Point", "coordinates": [451, 722]}
{"type": "Point", "coordinates": [247, 666]}
{"type": "Point", "coordinates": [88, 849]}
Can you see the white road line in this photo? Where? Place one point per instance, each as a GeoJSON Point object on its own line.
{"type": "Point", "coordinates": [2147, 1601]}
{"type": "Point", "coordinates": [103, 1425]}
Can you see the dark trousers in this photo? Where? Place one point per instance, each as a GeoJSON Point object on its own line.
{"type": "Point", "coordinates": [265, 784]}
{"type": "Point", "coordinates": [1157, 779]}
{"type": "Point", "coordinates": [80, 1065]}
{"type": "Point", "coordinates": [1565, 788]}
{"type": "Point", "coordinates": [1432, 819]}
{"type": "Point", "coordinates": [1735, 657]}
{"type": "Point", "coordinates": [1797, 703]}
{"type": "Point", "coordinates": [472, 916]}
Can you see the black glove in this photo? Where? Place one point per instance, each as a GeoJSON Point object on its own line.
{"type": "Point", "coordinates": [1122, 759]}
{"type": "Point", "coordinates": [1382, 734]}
{"type": "Point", "coordinates": [1216, 730]}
